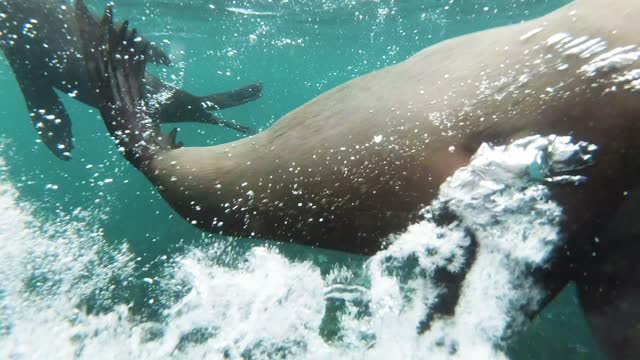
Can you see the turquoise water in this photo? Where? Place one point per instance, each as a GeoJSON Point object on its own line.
{"type": "Point", "coordinates": [131, 249]}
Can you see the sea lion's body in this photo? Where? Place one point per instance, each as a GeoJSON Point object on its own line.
{"type": "Point", "coordinates": [368, 155]}
{"type": "Point", "coordinates": [359, 162]}
{"type": "Point", "coordinates": [40, 41]}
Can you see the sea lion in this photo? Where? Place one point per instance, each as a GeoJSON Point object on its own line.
{"type": "Point", "coordinates": [40, 40]}
{"type": "Point", "coordinates": [357, 163]}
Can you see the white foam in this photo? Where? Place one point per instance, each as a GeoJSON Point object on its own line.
{"type": "Point", "coordinates": [269, 306]}
{"type": "Point", "coordinates": [500, 197]}
{"type": "Point", "coordinates": [45, 270]}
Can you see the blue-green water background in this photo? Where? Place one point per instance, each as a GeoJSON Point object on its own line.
{"type": "Point", "coordinates": [297, 49]}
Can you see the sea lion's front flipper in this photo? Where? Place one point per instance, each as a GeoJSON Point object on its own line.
{"type": "Point", "coordinates": [116, 63]}
{"type": "Point", "coordinates": [47, 112]}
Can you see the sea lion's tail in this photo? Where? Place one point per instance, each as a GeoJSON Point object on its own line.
{"type": "Point", "coordinates": [116, 60]}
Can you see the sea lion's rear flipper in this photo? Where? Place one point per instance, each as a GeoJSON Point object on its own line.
{"type": "Point", "coordinates": [116, 61]}
{"type": "Point", "coordinates": [157, 56]}
{"type": "Point", "coordinates": [47, 112]}
{"type": "Point", "coordinates": [235, 126]}
{"type": "Point", "coordinates": [232, 98]}
{"type": "Point", "coordinates": [183, 106]}
{"type": "Point", "coordinates": [229, 99]}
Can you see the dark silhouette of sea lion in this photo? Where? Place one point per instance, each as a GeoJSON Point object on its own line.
{"type": "Point", "coordinates": [40, 40]}
{"type": "Point", "coordinates": [358, 163]}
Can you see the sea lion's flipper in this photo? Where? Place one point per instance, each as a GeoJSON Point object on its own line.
{"type": "Point", "coordinates": [231, 98]}
{"type": "Point", "coordinates": [171, 138]}
{"type": "Point", "coordinates": [183, 106]}
{"type": "Point", "coordinates": [116, 63]}
{"type": "Point", "coordinates": [205, 117]}
{"type": "Point", "coordinates": [47, 112]}
{"type": "Point", "coordinates": [237, 127]}
{"type": "Point", "coordinates": [155, 54]}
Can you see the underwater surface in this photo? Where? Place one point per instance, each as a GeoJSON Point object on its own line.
{"type": "Point", "coordinates": [94, 264]}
